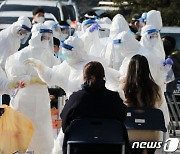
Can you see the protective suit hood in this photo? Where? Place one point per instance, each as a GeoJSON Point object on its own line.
{"type": "Point", "coordinates": [86, 23]}
{"type": "Point", "coordinates": [73, 50]}
{"type": "Point", "coordinates": [126, 43]}
{"type": "Point", "coordinates": [154, 19]}
{"type": "Point", "coordinates": [35, 40]}
{"type": "Point", "coordinates": [54, 26]}
{"type": "Point", "coordinates": [118, 25]}
{"type": "Point", "coordinates": [9, 39]}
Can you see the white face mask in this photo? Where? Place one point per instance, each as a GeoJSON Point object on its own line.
{"type": "Point", "coordinates": [40, 19]}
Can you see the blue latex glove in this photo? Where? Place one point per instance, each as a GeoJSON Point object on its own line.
{"type": "Point", "coordinates": [94, 27]}
{"type": "Point", "coordinates": [168, 61]}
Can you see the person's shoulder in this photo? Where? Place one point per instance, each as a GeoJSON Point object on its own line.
{"type": "Point", "coordinates": [78, 94]}
{"type": "Point", "coordinates": [113, 93]}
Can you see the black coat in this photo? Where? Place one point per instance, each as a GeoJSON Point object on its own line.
{"type": "Point", "coordinates": [88, 104]}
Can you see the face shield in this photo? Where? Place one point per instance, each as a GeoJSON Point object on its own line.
{"type": "Point", "coordinates": [67, 51]}
{"type": "Point", "coordinates": [65, 32]}
{"type": "Point", "coordinates": [47, 39]}
{"type": "Point", "coordinates": [56, 31]}
{"type": "Point", "coordinates": [23, 33]}
{"type": "Point", "coordinates": [153, 33]}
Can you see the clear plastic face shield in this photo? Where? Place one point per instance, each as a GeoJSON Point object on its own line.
{"type": "Point", "coordinates": [47, 39]}
{"type": "Point", "coordinates": [56, 31]}
{"type": "Point", "coordinates": [66, 51]}
{"type": "Point", "coordinates": [24, 33]}
{"type": "Point", "coordinates": [153, 34]}
{"type": "Point", "coordinates": [65, 32]}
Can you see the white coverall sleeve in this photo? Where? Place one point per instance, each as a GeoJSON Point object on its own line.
{"type": "Point", "coordinates": [16, 71]}
{"type": "Point", "coordinates": [52, 76]}
{"type": "Point", "coordinates": [4, 86]}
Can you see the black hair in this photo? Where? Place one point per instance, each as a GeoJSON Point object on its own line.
{"type": "Point", "coordinates": [94, 75]}
{"type": "Point", "coordinates": [135, 18]}
{"type": "Point", "coordinates": [140, 88]}
{"type": "Point", "coordinates": [63, 23]}
{"type": "Point", "coordinates": [56, 41]}
{"type": "Point", "coordinates": [37, 10]}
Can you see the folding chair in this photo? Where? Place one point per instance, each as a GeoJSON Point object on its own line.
{"type": "Point", "coordinates": [140, 118]}
{"type": "Point", "coordinates": [99, 132]}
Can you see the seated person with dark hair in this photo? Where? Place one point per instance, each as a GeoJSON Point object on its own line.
{"type": "Point", "coordinates": [93, 101]}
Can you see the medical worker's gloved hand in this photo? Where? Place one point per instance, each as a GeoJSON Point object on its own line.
{"type": "Point", "coordinates": [13, 84]}
{"type": "Point", "coordinates": [35, 79]}
{"type": "Point", "coordinates": [167, 64]}
{"type": "Point", "coordinates": [168, 61]}
{"type": "Point", "coordinates": [37, 64]}
{"type": "Point", "coordinates": [94, 27]}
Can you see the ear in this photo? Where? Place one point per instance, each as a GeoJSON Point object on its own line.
{"type": "Point", "coordinates": [92, 78]}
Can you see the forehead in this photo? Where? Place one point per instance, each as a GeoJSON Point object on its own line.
{"type": "Point", "coordinates": [40, 14]}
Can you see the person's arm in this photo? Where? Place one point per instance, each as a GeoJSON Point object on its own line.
{"type": "Point", "coordinates": [6, 86]}
{"type": "Point", "coordinates": [51, 76]}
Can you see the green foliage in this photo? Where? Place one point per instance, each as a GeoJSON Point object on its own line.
{"type": "Point", "coordinates": [169, 9]}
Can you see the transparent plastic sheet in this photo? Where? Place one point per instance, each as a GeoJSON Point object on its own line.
{"type": "Point", "coordinates": [16, 131]}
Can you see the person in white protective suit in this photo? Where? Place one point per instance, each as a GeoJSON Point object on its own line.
{"type": "Point", "coordinates": [105, 24]}
{"type": "Point", "coordinates": [71, 78]}
{"type": "Point", "coordinates": [129, 46]}
{"type": "Point", "coordinates": [113, 57]}
{"type": "Point", "coordinates": [92, 41]}
{"type": "Point", "coordinates": [84, 25]}
{"type": "Point", "coordinates": [55, 27]}
{"type": "Point", "coordinates": [151, 40]}
{"type": "Point", "coordinates": [118, 25]}
{"type": "Point", "coordinates": [12, 37]}
{"type": "Point", "coordinates": [33, 100]}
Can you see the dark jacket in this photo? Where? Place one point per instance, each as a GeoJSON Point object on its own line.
{"type": "Point", "coordinates": [89, 104]}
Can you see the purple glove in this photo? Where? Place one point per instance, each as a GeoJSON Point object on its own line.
{"type": "Point", "coordinates": [94, 27]}
{"type": "Point", "coordinates": [168, 61]}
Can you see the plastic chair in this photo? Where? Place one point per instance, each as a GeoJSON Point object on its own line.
{"type": "Point", "coordinates": [96, 132]}
{"type": "Point", "coordinates": [139, 118]}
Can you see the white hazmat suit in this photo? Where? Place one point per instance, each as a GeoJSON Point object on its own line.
{"type": "Point", "coordinates": [93, 45]}
{"type": "Point", "coordinates": [113, 57]}
{"type": "Point", "coordinates": [10, 40]}
{"type": "Point", "coordinates": [33, 100]}
{"type": "Point", "coordinates": [55, 27]}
